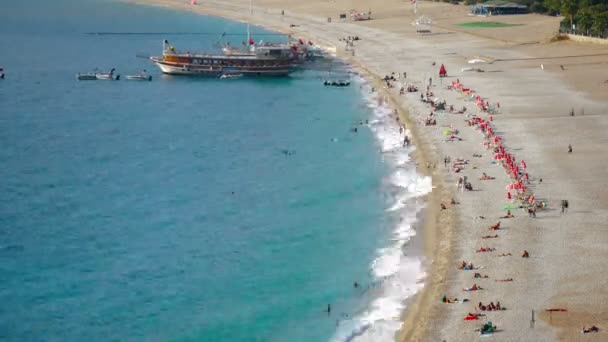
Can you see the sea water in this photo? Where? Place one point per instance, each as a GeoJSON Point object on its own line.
{"type": "Point", "coordinates": [191, 209]}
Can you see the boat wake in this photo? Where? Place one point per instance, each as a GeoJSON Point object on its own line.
{"type": "Point", "coordinates": [398, 275]}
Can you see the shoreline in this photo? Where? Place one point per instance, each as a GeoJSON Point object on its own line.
{"type": "Point", "coordinates": [416, 315]}
{"type": "Point", "coordinates": [534, 121]}
{"type": "Point", "coordinates": [429, 223]}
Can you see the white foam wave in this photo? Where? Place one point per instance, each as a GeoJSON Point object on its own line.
{"type": "Point", "coordinates": [400, 275]}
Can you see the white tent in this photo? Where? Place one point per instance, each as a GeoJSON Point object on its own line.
{"type": "Point", "coordinates": [424, 25]}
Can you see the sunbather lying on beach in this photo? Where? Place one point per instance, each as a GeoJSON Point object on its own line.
{"type": "Point", "coordinates": [446, 300]}
{"type": "Point", "coordinates": [486, 177]}
{"type": "Point", "coordinates": [487, 328]}
{"type": "Point", "coordinates": [495, 226]}
{"type": "Point", "coordinates": [465, 266]}
{"type": "Point", "coordinates": [490, 236]}
{"type": "Point", "coordinates": [490, 307]}
{"type": "Point", "coordinates": [504, 254]}
{"type": "Point", "coordinates": [509, 215]}
{"type": "Point", "coordinates": [475, 287]}
{"type": "Point", "coordinates": [478, 275]}
{"type": "Point", "coordinates": [593, 329]}
{"type": "Point", "coordinates": [485, 249]}
{"type": "Point", "coordinates": [473, 316]}
{"type": "Point", "coordinates": [430, 122]}
{"type": "Point", "coordinates": [505, 280]}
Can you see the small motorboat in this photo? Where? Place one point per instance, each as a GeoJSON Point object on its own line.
{"type": "Point", "coordinates": [2, 73]}
{"type": "Point", "coordinates": [107, 75]}
{"type": "Point", "coordinates": [336, 83]}
{"type": "Point", "coordinates": [142, 76]}
{"type": "Point", "coordinates": [230, 73]}
{"type": "Point", "coordinates": [230, 76]}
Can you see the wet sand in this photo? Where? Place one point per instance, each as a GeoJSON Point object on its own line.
{"type": "Point", "coordinates": [566, 267]}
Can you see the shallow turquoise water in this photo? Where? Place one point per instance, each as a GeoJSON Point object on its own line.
{"type": "Point", "coordinates": [167, 210]}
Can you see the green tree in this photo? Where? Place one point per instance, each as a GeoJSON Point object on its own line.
{"type": "Point", "coordinates": [569, 8]}
{"type": "Point", "coordinates": [600, 22]}
{"type": "Point", "coordinates": [553, 5]}
{"type": "Point", "coordinates": [584, 19]}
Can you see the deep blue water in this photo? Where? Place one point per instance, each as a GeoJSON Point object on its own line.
{"type": "Point", "coordinates": [166, 210]}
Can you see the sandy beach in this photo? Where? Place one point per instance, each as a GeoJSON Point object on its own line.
{"type": "Point", "coordinates": [537, 83]}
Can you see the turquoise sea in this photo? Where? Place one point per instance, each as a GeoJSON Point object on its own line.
{"type": "Point", "coordinates": [188, 209]}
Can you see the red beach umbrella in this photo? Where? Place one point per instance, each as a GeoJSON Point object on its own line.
{"type": "Point", "coordinates": [442, 71]}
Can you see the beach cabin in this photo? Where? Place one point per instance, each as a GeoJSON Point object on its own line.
{"type": "Point", "coordinates": [498, 7]}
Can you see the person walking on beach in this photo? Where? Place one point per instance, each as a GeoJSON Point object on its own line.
{"type": "Point", "coordinates": [569, 148]}
{"type": "Point", "coordinates": [564, 206]}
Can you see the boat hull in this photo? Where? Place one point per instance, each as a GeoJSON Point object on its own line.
{"type": "Point", "coordinates": [86, 77]}
{"type": "Point", "coordinates": [139, 78]}
{"type": "Point", "coordinates": [216, 71]}
{"type": "Point", "coordinates": [107, 77]}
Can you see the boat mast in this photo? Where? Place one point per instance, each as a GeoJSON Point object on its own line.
{"type": "Point", "coordinates": [248, 30]}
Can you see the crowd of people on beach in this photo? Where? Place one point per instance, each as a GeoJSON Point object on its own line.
{"type": "Point", "coordinates": [518, 193]}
